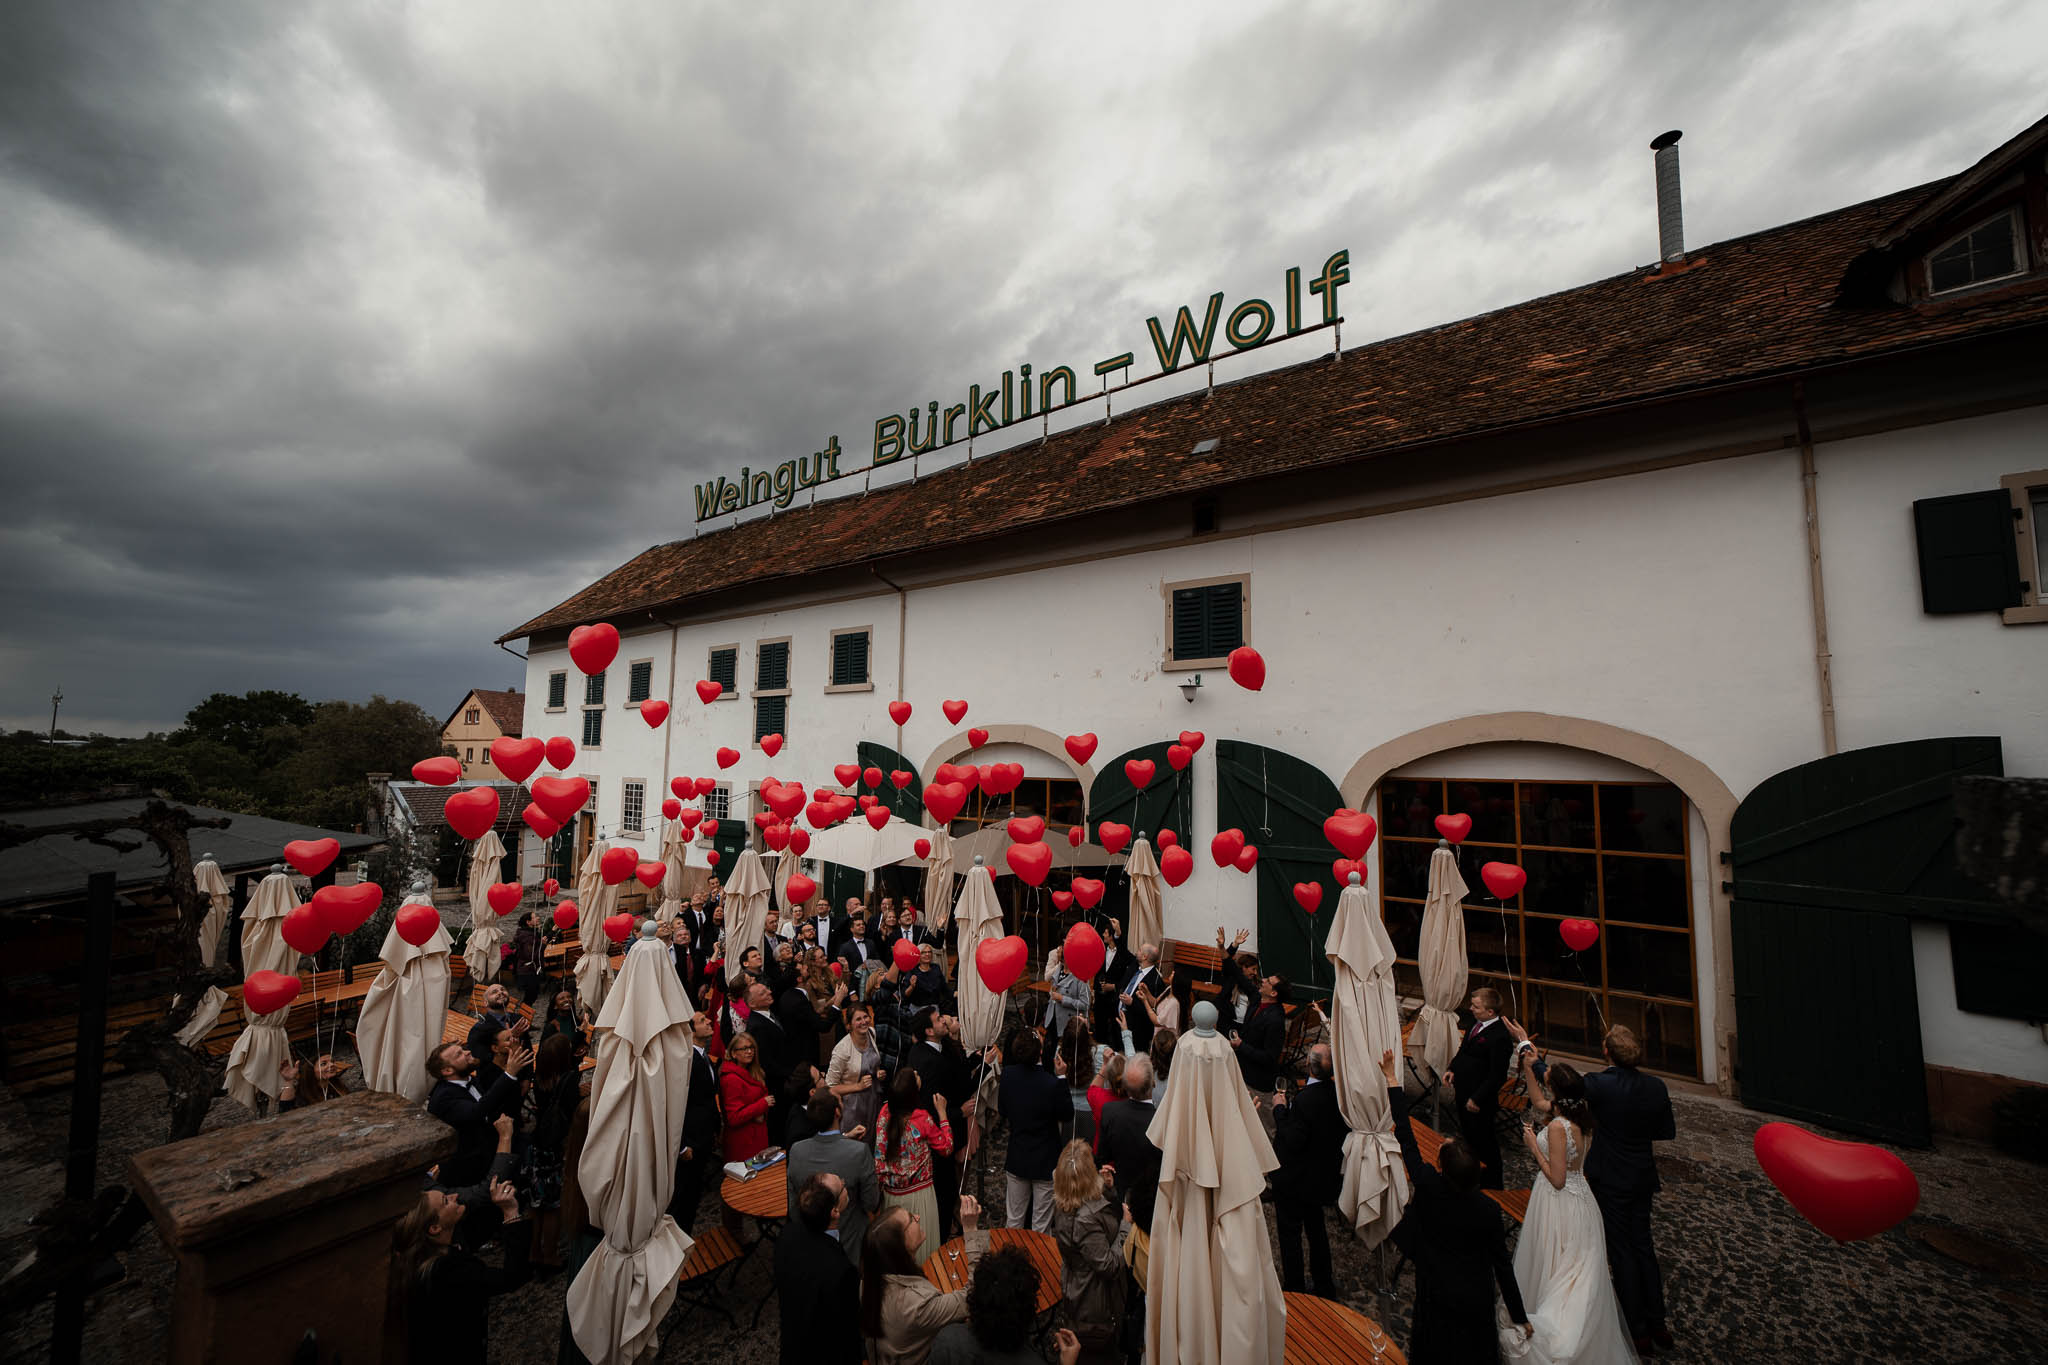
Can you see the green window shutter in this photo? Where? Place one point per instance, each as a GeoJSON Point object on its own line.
{"type": "Point", "coordinates": [593, 690]}
{"type": "Point", "coordinates": [593, 729]}
{"type": "Point", "coordinates": [1969, 557]}
{"type": "Point", "coordinates": [770, 715]}
{"type": "Point", "coordinates": [558, 690]}
{"type": "Point", "coordinates": [725, 668]}
{"type": "Point", "coordinates": [1999, 969]}
{"type": "Point", "coordinates": [771, 672]}
{"type": "Point", "coordinates": [1208, 622]}
{"type": "Point", "coordinates": [640, 682]}
{"type": "Point", "coordinates": [850, 659]}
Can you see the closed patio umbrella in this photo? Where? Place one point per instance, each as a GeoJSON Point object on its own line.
{"type": "Point", "coordinates": [746, 907]}
{"type": "Point", "coordinates": [206, 875]}
{"type": "Point", "coordinates": [992, 841]}
{"type": "Point", "coordinates": [1443, 965]}
{"type": "Point", "coordinates": [674, 882]}
{"type": "Point", "coordinates": [595, 902]}
{"type": "Point", "coordinates": [265, 1041]}
{"type": "Point", "coordinates": [938, 881]}
{"type": "Point", "coordinates": [1148, 895]}
{"type": "Point", "coordinates": [405, 1010]}
{"type": "Point", "coordinates": [486, 933]}
{"type": "Point", "coordinates": [856, 843]}
{"type": "Point", "coordinates": [1365, 1023]}
{"type": "Point", "coordinates": [1211, 1294]}
{"type": "Point", "coordinates": [981, 1009]}
{"type": "Point", "coordinates": [638, 1095]}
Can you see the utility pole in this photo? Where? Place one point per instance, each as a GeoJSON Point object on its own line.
{"type": "Point", "coordinates": [56, 700]}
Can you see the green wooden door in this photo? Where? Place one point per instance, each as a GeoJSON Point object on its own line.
{"type": "Point", "coordinates": [1168, 803]}
{"type": "Point", "coordinates": [906, 802]}
{"type": "Point", "coordinates": [1280, 802]}
{"type": "Point", "coordinates": [1832, 862]}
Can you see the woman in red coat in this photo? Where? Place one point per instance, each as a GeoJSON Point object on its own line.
{"type": "Point", "coordinates": [743, 1095]}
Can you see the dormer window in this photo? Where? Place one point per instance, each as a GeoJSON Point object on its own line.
{"type": "Point", "coordinates": [1990, 251]}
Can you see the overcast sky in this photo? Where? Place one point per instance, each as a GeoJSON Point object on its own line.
{"type": "Point", "coordinates": [337, 339]}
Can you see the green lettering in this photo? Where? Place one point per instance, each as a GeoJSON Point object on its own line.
{"type": "Point", "coordinates": [980, 418]}
{"type": "Point", "coordinates": [828, 458]}
{"type": "Point", "coordinates": [888, 441]}
{"type": "Point", "coordinates": [1249, 308]}
{"type": "Point", "coordinates": [1294, 300]}
{"type": "Point", "coordinates": [707, 498]}
{"type": "Point", "coordinates": [785, 483]}
{"type": "Point", "coordinates": [1047, 380]}
{"type": "Point", "coordinates": [1336, 271]}
{"type": "Point", "coordinates": [951, 413]}
{"type": "Point", "coordinates": [728, 496]}
{"type": "Point", "coordinates": [1184, 332]}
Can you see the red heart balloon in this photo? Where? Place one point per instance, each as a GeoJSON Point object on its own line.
{"type": "Point", "coordinates": [654, 713]}
{"type": "Point", "coordinates": [345, 909]}
{"type": "Point", "coordinates": [711, 829]}
{"type": "Point", "coordinates": [872, 776]}
{"type": "Point", "coordinates": [1000, 961]}
{"type": "Point", "coordinates": [954, 710]}
{"type": "Point", "coordinates": [709, 691]}
{"type": "Point", "coordinates": [967, 775]}
{"type": "Point", "coordinates": [776, 837]}
{"type": "Point", "coordinates": [820, 813]}
{"type": "Point", "coordinates": [561, 752]}
{"type": "Point", "coordinates": [1030, 862]}
{"type": "Point", "coordinates": [944, 800]}
{"type": "Point", "coordinates": [670, 808]}
{"type": "Point", "coordinates": [712, 857]}
{"type": "Point", "coordinates": [899, 711]}
{"type": "Point", "coordinates": [650, 874]}
{"type": "Point", "coordinates": [268, 992]}
{"type": "Point", "coordinates": [1026, 829]}
{"type": "Point", "coordinates": [550, 887]}
{"type": "Point", "coordinates": [878, 816]}
{"type": "Point", "coordinates": [1342, 869]}
{"type": "Point", "coordinates": [617, 864]}
{"type": "Point", "coordinates": [566, 914]}
{"type": "Point", "coordinates": [868, 800]}
{"type": "Point", "coordinates": [517, 758]}
{"type": "Point", "coordinates": [560, 797]}
{"type": "Point", "coordinates": [1247, 858]}
{"type": "Point", "coordinates": [312, 856]}
{"type": "Point", "coordinates": [504, 897]}
{"type": "Point", "coordinates": [800, 889]}
{"type": "Point", "coordinates": [1578, 934]}
{"type": "Point", "coordinates": [900, 779]}
{"type": "Point", "coordinates": [771, 745]}
{"type": "Point", "coordinates": [728, 757]}
{"type": "Point", "coordinates": [706, 785]}
{"type": "Point", "coordinates": [847, 773]}
{"type": "Point", "coordinates": [1082, 951]}
{"type": "Point", "coordinates": [691, 817]}
{"type": "Point", "coordinates": [1064, 900]}
{"type": "Point", "coordinates": [437, 772]}
{"type": "Point", "coordinates": [922, 848]}
{"type": "Point", "coordinates": [1193, 739]}
{"type": "Point", "coordinates": [784, 798]}
{"type": "Point", "coordinates": [303, 929]}
{"type": "Point", "coordinates": [1226, 845]}
{"type": "Point", "coordinates": [1178, 756]}
{"type": "Point", "coordinates": [1167, 839]}
{"type": "Point", "coordinates": [799, 841]}
{"type": "Point", "coordinates": [976, 737]}
{"type": "Point", "coordinates": [1849, 1190]}
{"type": "Point", "coordinates": [593, 648]}
{"type": "Point", "coordinates": [1088, 892]}
{"type": "Point", "coordinates": [1309, 896]}
{"type": "Point", "coordinates": [1139, 771]}
{"type": "Point", "coordinates": [1081, 748]}
{"type": "Point", "coordinates": [1351, 832]}
{"type": "Point", "coordinates": [1176, 865]}
{"type": "Point", "coordinates": [904, 953]}
{"type": "Point", "coordinates": [1076, 836]}
{"type": "Point", "coordinates": [417, 923]}
{"type": "Point", "coordinates": [1112, 836]}
{"type": "Point", "coordinates": [1504, 880]}
{"type": "Point", "coordinates": [1247, 669]}
{"type": "Point", "coordinates": [684, 787]}
{"type": "Point", "coordinates": [1454, 827]}
{"type": "Point", "coordinates": [472, 811]}
{"type": "Point", "coordinates": [618, 927]}
{"type": "Point", "coordinates": [540, 822]}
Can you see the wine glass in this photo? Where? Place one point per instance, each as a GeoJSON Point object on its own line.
{"type": "Point", "coordinates": [1376, 1338]}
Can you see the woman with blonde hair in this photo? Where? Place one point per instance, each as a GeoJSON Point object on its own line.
{"type": "Point", "coordinates": [1085, 1223]}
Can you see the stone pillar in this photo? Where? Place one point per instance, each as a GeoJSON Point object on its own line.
{"type": "Point", "coordinates": [284, 1227]}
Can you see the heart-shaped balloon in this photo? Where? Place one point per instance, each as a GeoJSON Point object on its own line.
{"type": "Point", "coordinates": [706, 785]}
{"type": "Point", "coordinates": [872, 777]}
{"type": "Point", "coordinates": [1081, 748]}
{"type": "Point", "coordinates": [560, 797]}
{"type": "Point", "coordinates": [1226, 845]}
{"type": "Point", "coordinates": [954, 710]}
{"type": "Point", "coordinates": [549, 887]}
{"type": "Point", "coordinates": [1112, 836]}
{"type": "Point", "coordinates": [650, 874]}
{"type": "Point", "coordinates": [799, 889]}
{"type": "Point", "coordinates": [710, 830]}
{"type": "Point", "coordinates": [899, 711]}
{"type": "Point", "coordinates": [1849, 1190]}
{"type": "Point", "coordinates": [691, 817]}
{"type": "Point", "coordinates": [1082, 951]}
{"type": "Point", "coordinates": [1076, 836]}
{"type": "Point", "coordinates": [727, 757]}
{"type": "Point", "coordinates": [1341, 870]}
{"type": "Point", "coordinates": [1000, 961]}
{"type": "Point", "coordinates": [566, 915]}
{"type": "Point", "coordinates": [1178, 756]}
{"type": "Point", "coordinates": [592, 648]}
{"type": "Point", "coordinates": [1309, 896]}
{"type": "Point", "coordinates": [1454, 827]}
{"type": "Point", "coordinates": [1247, 668]}
{"type": "Point", "coordinates": [712, 857]}
{"type": "Point", "coordinates": [709, 691]}
{"type": "Point", "coordinates": [618, 927]}
{"type": "Point", "coordinates": [1351, 832]}
{"type": "Point", "coordinates": [1088, 892]}
{"type": "Point", "coordinates": [776, 837]}
{"type": "Point", "coordinates": [1030, 862]}
{"type": "Point", "coordinates": [821, 813]}
{"type": "Point", "coordinates": [922, 848]}
{"type": "Point", "coordinates": [1139, 771]}
{"type": "Point", "coordinates": [1504, 880]}
{"type": "Point", "coordinates": [417, 923]}
{"type": "Point", "coordinates": [561, 752]}
{"type": "Point", "coordinates": [846, 773]}
{"type": "Point", "coordinates": [1247, 858]}
{"type": "Point", "coordinates": [345, 909]}
{"type": "Point", "coordinates": [868, 801]}
{"type": "Point", "coordinates": [312, 856]}
{"type": "Point", "coordinates": [303, 929]}
{"type": "Point", "coordinates": [617, 864]}
{"type": "Point", "coordinates": [540, 822]}
{"type": "Point", "coordinates": [785, 799]}
{"type": "Point", "coordinates": [437, 772]}
{"type": "Point", "coordinates": [1193, 739]}
{"type": "Point", "coordinates": [967, 775]}
{"type": "Point", "coordinates": [654, 713]}
{"type": "Point", "coordinates": [1063, 900]}
{"type": "Point", "coordinates": [904, 954]}
{"type": "Point", "coordinates": [1578, 934]}
{"type": "Point", "coordinates": [771, 745]}
{"type": "Point", "coordinates": [504, 897]}
{"type": "Point", "coordinates": [799, 841]}
{"type": "Point", "coordinates": [1026, 829]}
{"type": "Point", "coordinates": [1167, 839]}
{"type": "Point", "coordinates": [685, 788]}
{"type": "Point", "coordinates": [1176, 865]}
{"type": "Point", "coordinates": [900, 779]}
{"type": "Point", "coordinates": [944, 800]}
{"type": "Point", "coordinates": [670, 808]}
{"type": "Point", "coordinates": [268, 992]}
{"type": "Point", "coordinates": [976, 737]}
{"type": "Point", "coordinates": [878, 816]}
{"type": "Point", "coordinates": [472, 811]}
{"type": "Point", "coordinates": [517, 758]}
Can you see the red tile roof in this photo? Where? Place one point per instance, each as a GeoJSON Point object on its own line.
{"type": "Point", "coordinates": [508, 709]}
{"type": "Point", "coordinates": [428, 803]}
{"type": "Point", "coordinates": [1753, 308]}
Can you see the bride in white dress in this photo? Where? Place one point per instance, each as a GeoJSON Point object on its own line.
{"type": "Point", "coordinates": [1561, 1256]}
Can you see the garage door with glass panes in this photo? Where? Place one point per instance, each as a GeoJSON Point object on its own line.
{"type": "Point", "coordinates": [1612, 852]}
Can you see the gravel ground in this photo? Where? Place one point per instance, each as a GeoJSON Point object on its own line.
{"type": "Point", "coordinates": [1964, 1279]}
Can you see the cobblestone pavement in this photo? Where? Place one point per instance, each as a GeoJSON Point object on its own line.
{"type": "Point", "coordinates": [1964, 1279]}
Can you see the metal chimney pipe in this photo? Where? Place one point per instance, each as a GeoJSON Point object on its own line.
{"type": "Point", "coordinates": [1670, 207]}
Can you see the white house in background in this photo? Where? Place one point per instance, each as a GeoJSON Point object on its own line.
{"type": "Point", "coordinates": [1593, 569]}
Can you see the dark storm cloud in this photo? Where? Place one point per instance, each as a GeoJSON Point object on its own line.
{"type": "Point", "coordinates": [335, 340]}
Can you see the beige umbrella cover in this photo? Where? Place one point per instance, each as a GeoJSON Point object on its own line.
{"type": "Point", "coordinates": [265, 1041]}
{"type": "Point", "coordinates": [981, 1009]}
{"type": "Point", "coordinates": [746, 908]}
{"type": "Point", "coordinates": [674, 882]}
{"type": "Point", "coordinates": [596, 903]}
{"type": "Point", "coordinates": [1365, 1023]}
{"type": "Point", "coordinates": [991, 842]}
{"type": "Point", "coordinates": [638, 1095]}
{"type": "Point", "coordinates": [785, 867]}
{"type": "Point", "coordinates": [938, 881]}
{"type": "Point", "coordinates": [206, 875]}
{"type": "Point", "coordinates": [1441, 959]}
{"type": "Point", "coordinates": [1148, 896]}
{"type": "Point", "coordinates": [1211, 1294]}
{"type": "Point", "coordinates": [405, 1010]}
{"type": "Point", "coordinates": [486, 931]}
{"type": "Point", "coordinates": [856, 843]}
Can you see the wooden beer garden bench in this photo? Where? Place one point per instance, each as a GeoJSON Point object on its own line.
{"type": "Point", "coordinates": [1178, 953]}
{"type": "Point", "coordinates": [1429, 1142]}
{"type": "Point", "coordinates": [714, 1251]}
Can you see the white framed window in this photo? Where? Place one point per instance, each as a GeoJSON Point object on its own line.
{"type": "Point", "coordinates": [487, 755]}
{"type": "Point", "coordinates": [1206, 618]}
{"type": "Point", "coordinates": [469, 754]}
{"type": "Point", "coordinates": [591, 804]}
{"type": "Point", "coordinates": [1990, 251]}
{"type": "Point", "coordinates": [633, 806]}
{"type": "Point", "coordinates": [639, 682]}
{"type": "Point", "coordinates": [2029, 494]}
{"type": "Point", "coordinates": [722, 666]}
{"type": "Point", "coordinates": [718, 803]}
{"type": "Point", "coordinates": [473, 715]}
{"type": "Point", "coordinates": [851, 670]}
{"type": "Point", "coordinates": [558, 690]}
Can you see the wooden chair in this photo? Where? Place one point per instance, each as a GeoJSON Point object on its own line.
{"type": "Point", "coordinates": [715, 1252]}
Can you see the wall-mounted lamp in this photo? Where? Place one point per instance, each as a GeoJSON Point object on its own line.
{"type": "Point", "coordinates": [1191, 686]}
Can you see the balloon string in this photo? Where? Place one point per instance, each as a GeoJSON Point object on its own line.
{"type": "Point", "coordinates": [1578, 967]}
{"type": "Point", "coordinates": [1507, 961]}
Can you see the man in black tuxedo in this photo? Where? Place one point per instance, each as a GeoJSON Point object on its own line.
{"type": "Point", "coordinates": [1453, 1234]}
{"type": "Point", "coordinates": [1476, 1076]}
{"type": "Point", "coordinates": [801, 1020]}
{"type": "Point", "coordinates": [471, 1103]}
{"type": "Point", "coordinates": [1630, 1111]}
{"type": "Point", "coordinates": [942, 1068]}
{"type": "Point", "coordinates": [699, 1154]}
{"type": "Point", "coordinates": [817, 1286]}
{"type": "Point", "coordinates": [1308, 1137]}
{"type": "Point", "coordinates": [858, 948]}
{"type": "Point", "coordinates": [1126, 1149]}
{"type": "Point", "coordinates": [1263, 1037]}
{"type": "Point", "coordinates": [1136, 973]}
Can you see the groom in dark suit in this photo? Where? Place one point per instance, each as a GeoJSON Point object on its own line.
{"type": "Point", "coordinates": [1476, 1076]}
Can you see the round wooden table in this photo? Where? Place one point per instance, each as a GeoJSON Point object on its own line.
{"type": "Point", "coordinates": [1322, 1330]}
{"type": "Point", "coordinates": [764, 1197]}
{"type": "Point", "coordinates": [949, 1270]}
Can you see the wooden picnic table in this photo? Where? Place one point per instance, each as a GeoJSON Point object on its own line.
{"type": "Point", "coordinates": [949, 1270]}
{"type": "Point", "coordinates": [1321, 1330]}
{"type": "Point", "coordinates": [765, 1196]}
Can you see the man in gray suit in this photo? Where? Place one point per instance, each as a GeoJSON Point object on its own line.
{"type": "Point", "coordinates": [849, 1158]}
